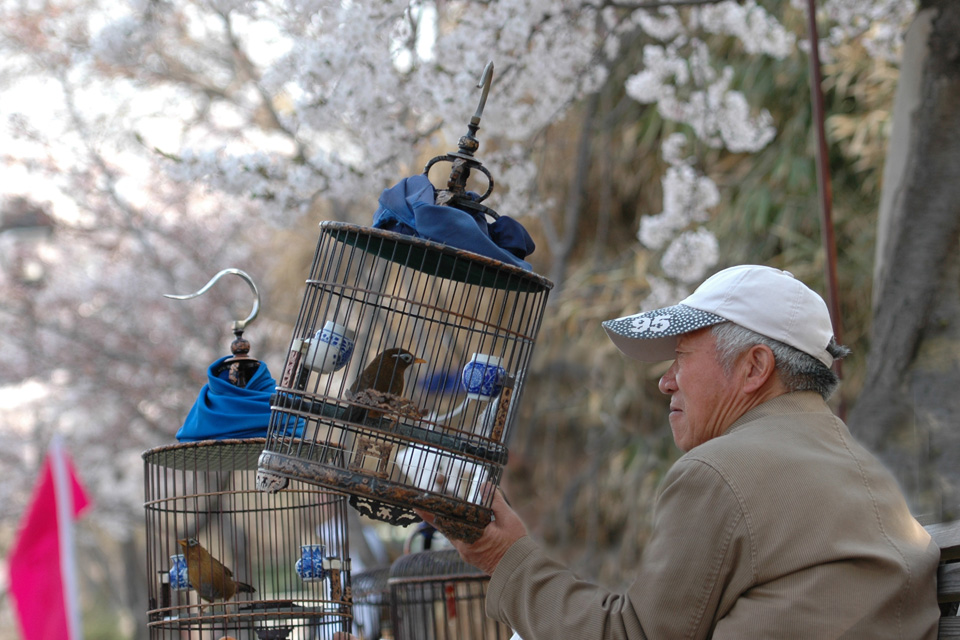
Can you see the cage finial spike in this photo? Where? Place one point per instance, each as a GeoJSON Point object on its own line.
{"type": "Point", "coordinates": [238, 325]}
{"type": "Point", "coordinates": [463, 160]}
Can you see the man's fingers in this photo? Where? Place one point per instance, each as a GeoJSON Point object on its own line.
{"type": "Point", "coordinates": [426, 516]}
{"type": "Point", "coordinates": [499, 504]}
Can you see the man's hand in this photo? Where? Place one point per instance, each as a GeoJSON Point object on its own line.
{"type": "Point", "coordinates": [498, 536]}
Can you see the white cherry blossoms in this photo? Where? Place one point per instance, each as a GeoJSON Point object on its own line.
{"type": "Point", "coordinates": [361, 90]}
{"type": "Point", "coordinates": [681, 79]}
{"type": "Point", "coordinates": [691, 250]}
{"type": "Point", "coordinates": [879, 24]}
{"type": "Point", "coordinates": [687, 86]}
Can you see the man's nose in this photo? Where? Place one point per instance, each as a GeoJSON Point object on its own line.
{"type": "Point", "coordinates": [668, 381]}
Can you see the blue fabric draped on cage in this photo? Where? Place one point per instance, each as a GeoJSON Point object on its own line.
{"type": "Point", "coordinates": [408, 207]}
{"type": "Point", "coordinates": [223, 410]}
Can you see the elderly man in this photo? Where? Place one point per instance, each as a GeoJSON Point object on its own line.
{"type": "Point", "coordinates": [774, 524]}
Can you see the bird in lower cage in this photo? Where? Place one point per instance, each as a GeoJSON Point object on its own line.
{"type": "Point", "coordinates": [384, 374]}
{"type": "Point", "coordinates": [207, 575]}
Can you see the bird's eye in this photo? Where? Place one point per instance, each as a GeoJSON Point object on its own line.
{"type": "Point", "coordinates": [406, 357]}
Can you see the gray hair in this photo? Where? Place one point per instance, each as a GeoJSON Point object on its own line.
{"type": "Point", "coordinates": [798, 371]}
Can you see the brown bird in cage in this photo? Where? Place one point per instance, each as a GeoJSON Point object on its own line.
{"type": "Point", "coordinates": [384, 374]}
{"type": "Point", "coordinates": [207, 575]}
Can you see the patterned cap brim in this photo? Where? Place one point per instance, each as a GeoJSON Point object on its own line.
{"type": "Point", "coordinates": [652, 336]}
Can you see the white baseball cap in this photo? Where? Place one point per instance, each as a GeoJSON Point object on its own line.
{"type": "Point", "coordinates": [768, 301]}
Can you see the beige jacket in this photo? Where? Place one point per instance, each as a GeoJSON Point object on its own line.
{"type": "Point", "coordinates": [784, 527]}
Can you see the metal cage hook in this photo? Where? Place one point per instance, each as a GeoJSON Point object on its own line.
{"type": "Point", "coordinates": [486, 79]}
{"type": "Point", "coordinates": [238, 325]}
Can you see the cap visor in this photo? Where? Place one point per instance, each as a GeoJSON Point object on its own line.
{"type": "Point", "coordinates": [652, 336]}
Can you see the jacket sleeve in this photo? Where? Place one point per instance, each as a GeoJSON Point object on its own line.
{"type": "Point", "coordinates": [695, 565]}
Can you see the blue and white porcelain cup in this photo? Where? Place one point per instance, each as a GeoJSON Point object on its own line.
{"type": "Point", "coordinates": [179, 579]}
{"type": "Point", "coordinates": [310, 565]}
{"type": "Point", "coordinates": [331, 348]}
{"type": "Point", "coordinates": [483, 377]}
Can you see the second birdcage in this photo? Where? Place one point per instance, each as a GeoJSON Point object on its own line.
{"type": "Point", "coordinates": [225, 560]}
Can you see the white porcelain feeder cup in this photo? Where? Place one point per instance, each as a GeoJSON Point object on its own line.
{"type": "Point", "coordinates": [330, 349]}
{"type": "Point", "coordinates": [483, 377]}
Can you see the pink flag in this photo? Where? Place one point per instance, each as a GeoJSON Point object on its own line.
{"type": "Point", "coordinates": [42, 579]}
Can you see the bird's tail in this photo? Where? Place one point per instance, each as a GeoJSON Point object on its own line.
{"type": "Point", "coordinates": [243, 587]}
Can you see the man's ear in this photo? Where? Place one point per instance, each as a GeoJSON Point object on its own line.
{"type": "Point", "coordinates": [759, 366]}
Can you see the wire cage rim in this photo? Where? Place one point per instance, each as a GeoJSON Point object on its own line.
{"type": "Point", "coordinates": [333, 227]}
{"type": "Point", "coordinates": [169, 455]}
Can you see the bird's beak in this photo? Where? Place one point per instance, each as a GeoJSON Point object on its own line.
{"type": "Point", "coordinates": [182, 543]}
{"type": "Point", "coordinates": [420, 360]}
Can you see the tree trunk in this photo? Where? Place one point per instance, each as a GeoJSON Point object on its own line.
{"type": "Point", "coordinates": [909, 409]}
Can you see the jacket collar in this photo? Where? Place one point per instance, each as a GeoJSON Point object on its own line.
{"type": "Point", "coordinates": [788, 403]}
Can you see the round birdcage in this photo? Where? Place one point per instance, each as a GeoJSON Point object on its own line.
{"type": "Point", "coordinates": [437, 596]}
{"type": "Point", "coordinates": [409, 354]}
{"type": "Point", "coordinates": [225, 560]}
{"type": "Point", "coordinates": [403, 376]}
